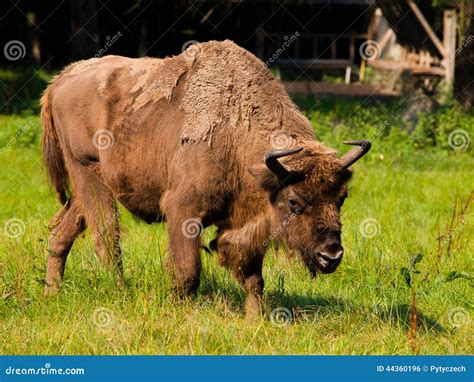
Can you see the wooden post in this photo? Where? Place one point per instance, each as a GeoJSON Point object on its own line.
{"type": "Point", "coordinates": [449, 42]}
{"type": "Point", "coordinates": [362, 70]}
{"type": "Point", "coordinates": [373, 23]}
{"type": "Point", "coordinates": [347, 78]}
{"type": "Point", "coordinates": [351, 47]}
{"type": "Point", "coordinates": [426, 27]}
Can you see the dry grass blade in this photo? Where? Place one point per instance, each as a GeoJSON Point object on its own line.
{"type": "Point", "coordinates": [451, 239]}
{"type": "Point", "coordinates": [413, 320]}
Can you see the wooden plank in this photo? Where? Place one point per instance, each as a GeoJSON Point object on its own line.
{"type": "Point", "coordinates": [315, 64]}
{"type": "Point", "coordinates": [405, 65]}
{"type": "Point", "coordinates": [449, 41]}
{"type": "Point", "coordinates": [427, 27]}
{"type": "Point", "coordinates": [385, 39]}
{"type": "Point", "coordinates": [343, 90]}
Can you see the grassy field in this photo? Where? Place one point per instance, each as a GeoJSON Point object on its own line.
{"type": "Point", "coordinates": [400, 289]}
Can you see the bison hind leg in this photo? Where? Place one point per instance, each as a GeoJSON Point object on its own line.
{"type": "Point", "coordinates": [66, 225]}
{"type": "Point", "coordinates": [102, 216]}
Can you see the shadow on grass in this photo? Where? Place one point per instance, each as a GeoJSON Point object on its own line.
{"type": "Point", "coordinates": [313, 308]}
{"type": "Point", "coordinates": [220, 285]}
{"type": "Point", "coordinates": [305, 308]}
{"type": "Point", "coordinates": [400, 314]}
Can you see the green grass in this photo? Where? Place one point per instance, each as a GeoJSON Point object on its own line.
{"type": "Point", "coordinates": [363, 308]}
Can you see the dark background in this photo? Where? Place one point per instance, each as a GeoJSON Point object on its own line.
{"type": "Point", "coordinates": [57, 32]}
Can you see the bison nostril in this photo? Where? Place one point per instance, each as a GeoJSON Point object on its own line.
{"type": "Point", "coordinates": [334, 247]}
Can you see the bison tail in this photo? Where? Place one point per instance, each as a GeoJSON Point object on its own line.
{"type": "Point", "coordinates": [52, 154]}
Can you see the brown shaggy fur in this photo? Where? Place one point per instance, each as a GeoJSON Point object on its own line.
{"type": "Point", "coordinates": [187, 141]}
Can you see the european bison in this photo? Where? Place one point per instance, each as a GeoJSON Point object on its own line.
{"type": "Point", "coordinates": [205, 137]}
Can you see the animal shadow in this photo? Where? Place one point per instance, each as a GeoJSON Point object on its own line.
{"type": "Point", "coordinates": [313, 308]}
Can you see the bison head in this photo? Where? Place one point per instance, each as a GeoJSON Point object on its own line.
{"type": "Point", "coordinates": [306, 192]}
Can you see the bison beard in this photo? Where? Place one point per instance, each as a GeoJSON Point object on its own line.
{"type": "Point", "coordinates": [190, 140]}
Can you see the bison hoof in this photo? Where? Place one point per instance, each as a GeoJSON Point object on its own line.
{"type": "Point", "coordinates": [253, 308]}
{"type": "Point", "coordinates": [187, 289]}
{"type": "Point", "coordinates": [51, 289]}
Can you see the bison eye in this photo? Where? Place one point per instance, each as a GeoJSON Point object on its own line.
{"type": "Point", "coordinates": [294, 205]}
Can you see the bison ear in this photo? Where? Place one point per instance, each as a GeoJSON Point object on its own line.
{"type": "Point", "coordinates": [267, 180]}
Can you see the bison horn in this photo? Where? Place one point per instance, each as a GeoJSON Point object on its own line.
{"type": "Point", "coordinates": [271, 160]}
{"type": "Point", "coordinates": [356, 153]}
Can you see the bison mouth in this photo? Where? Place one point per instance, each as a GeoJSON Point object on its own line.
{"type": "Point", "coordinates": [318, 264]}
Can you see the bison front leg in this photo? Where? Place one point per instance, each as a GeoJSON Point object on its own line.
{"type": "Point", "coordinates": [246, 263]}
{"type": "Point", "coordinates": [184, 262]}
{"type": "Point", "coordinates": [251, 279]}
